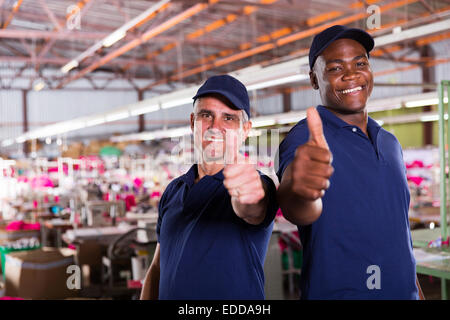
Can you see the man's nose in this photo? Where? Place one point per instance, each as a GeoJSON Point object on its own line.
{"type": "Point", "coordinates": [216, 123]}
{"type": "Point", "coordinates": [350, 73]}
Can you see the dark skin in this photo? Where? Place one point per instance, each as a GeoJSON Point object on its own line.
{"type": "Point", "coordinates": [344, 65]}
{"type": "Point", "coordinates": [343, 76]}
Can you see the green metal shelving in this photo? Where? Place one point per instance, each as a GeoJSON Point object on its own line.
{"type": "Point", "coordinates": [439, 267]}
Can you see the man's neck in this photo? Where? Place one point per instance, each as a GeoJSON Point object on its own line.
{"type": "Point", "coordinates": [359, 119]}
{"type": "Point", "coordinates": [208, 169]}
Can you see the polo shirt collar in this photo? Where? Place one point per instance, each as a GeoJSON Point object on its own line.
{"type": "Point", "coordinates": [331, 119]}
{"type": "Point", "coordinates": [335, 122]}
{"type": "Point", "coordinates": [190, 176]}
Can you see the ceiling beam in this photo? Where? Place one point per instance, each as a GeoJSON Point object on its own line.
{"type": "Point", "coordinates": [64, 35]}
{"type": "Point", "coordinates": [15, 8]}
{"type": "Point", "coordinates": [213, 26]}
{"type": "Point", "coordinates": [288, 37]}
{"type": "Point", "coordinates": [149, 34]}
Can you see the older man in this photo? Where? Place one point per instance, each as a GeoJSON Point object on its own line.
{"type": "Point", "coordinates": [216, 220]}
{"type": "Point", "coordinates": [343, 182]}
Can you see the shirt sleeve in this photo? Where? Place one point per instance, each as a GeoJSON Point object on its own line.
{"type": "Point", "coordinates": [161, 206]}
{"type": "Point", "coordinates": [298, 135]}
{"type": "Point", "coordinates": [272, 205]}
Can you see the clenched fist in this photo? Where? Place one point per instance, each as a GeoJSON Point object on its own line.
{"type": "Point", "coordinates": [243, 182]}
{"type": "Point", "coordinates": [311, 167]}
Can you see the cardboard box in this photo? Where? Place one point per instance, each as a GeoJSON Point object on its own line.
{"type": "Point", "coordinates": [39, 274]}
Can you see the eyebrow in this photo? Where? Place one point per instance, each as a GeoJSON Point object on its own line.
{"type": "Point", "coordinates": [341, 61]}
{"type": "Point", "coordinates": [212, 112]}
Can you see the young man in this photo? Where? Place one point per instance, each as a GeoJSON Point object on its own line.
{"type": "Point", "coordinates": [215, 221]}
{"type": "Point", "coordinates": [343, 182]}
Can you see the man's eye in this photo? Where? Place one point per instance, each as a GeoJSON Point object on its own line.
{"type": "Point", "coordinates": [205, 115]}
{"type": "Point", "coordinates": [230, 118]}
{"type": "Point", "coordinates": [334, 69]}
{"type": "Point", "coordinates": [361, 64]}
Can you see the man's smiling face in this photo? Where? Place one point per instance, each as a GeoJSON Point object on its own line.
{"type": "Point", "coordinates": [343, 76]}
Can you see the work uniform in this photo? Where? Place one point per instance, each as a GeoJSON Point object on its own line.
{"type": "Point", "coordinates": [206, 250]}
{"type": "Point", "coordinates": [360, 247]}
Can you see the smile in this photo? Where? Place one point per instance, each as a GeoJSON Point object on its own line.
{"type": "Point", "coordinates": [214, 139]}
{"type": "Point", "coordinates": [347, 91]}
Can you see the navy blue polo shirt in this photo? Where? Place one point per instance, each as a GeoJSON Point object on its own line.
{"type": "Point", "coordinates": [206, 250]}
{"type": "Point", "coordinates": [364, 222]}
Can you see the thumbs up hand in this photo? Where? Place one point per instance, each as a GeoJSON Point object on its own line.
{"type": "Point", "coordinates": [311, 167]}
{"type": "Point", "coordinates": [243, 182]}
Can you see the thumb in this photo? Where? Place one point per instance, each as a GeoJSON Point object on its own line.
{"type": "Point", "coordinates": [315, 128]}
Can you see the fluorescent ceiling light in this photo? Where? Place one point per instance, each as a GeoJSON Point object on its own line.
{"type": "Point", "coordinates": [117, 116]}
{"type": "Point", "coordinates": [114, 37]}
{"type": "Point", "coordinates": [413, 33]}
{"type": "Point", "coordinates": [178, 132]}
{"type": "Point", "coordinates": [423, 103]}
{"type": "Point", "coordinates": [69, 66]}
{"type": "Point", "coordinates": [39, 85]}
{"type": "Point", "coordinates": [95, 122]}
{"type": "Point", "coordinates": [143, 110]}
{"type": "Point", "coordinates": [275, 82]}
{"type": "Point", "coordinates": [434, 117]}
{"type": "Point", "coordinates": [263, 122]}
{"type": "Point", "coordinates": [176, 103]}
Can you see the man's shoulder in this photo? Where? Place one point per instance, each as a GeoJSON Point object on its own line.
{"type": "Point", "coordinates": [389, 137]}
{"type": "Point", "coordinates": [171, 188]}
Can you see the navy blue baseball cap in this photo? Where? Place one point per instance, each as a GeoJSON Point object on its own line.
{"type": "Point", "coordinates": [229, 87]}
{"type": "Point", "coordinates": [322, 40]}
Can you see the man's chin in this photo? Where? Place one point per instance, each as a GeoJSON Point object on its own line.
{"type": "Point", "coordinates": [213, 158]}
{"type": "Point", "coordinates": [350, 108]}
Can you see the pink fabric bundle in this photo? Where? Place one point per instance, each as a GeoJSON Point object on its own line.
{"type": "Point", "coordinates": [20, 225]}
{"type": "Point", "coordinates": [22, 179]}
{"type": "Point", "coordinates": [130, 201]}
{"type": "Point", "coordinates": [155, 194]}
{"type": "Point", "coordinates": [137, 182]}
{"type": "Point", "coordinates": [414, 164]}
{"type": "Point", "coordinates": [41, 181]}
{"type": "Point", "coordinates": [416, 180]}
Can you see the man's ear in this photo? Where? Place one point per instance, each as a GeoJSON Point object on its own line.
{"type": "Point", "coordinates": [313, 80]}
{"type": "Point", "coordinates": [247, 127]}
{"type": "Point", "coordinates": [192, 122]}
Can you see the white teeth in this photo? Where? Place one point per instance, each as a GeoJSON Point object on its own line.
{"type": "Point", "coordinates": [214, 139]}
{"type": "Point", "coordinates": [351, 90]}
